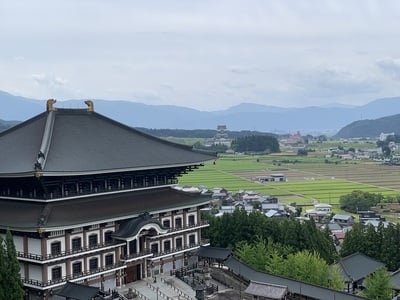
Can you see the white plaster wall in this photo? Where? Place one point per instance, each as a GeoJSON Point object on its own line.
{"type": "Point", "coordinates": [90, 233]}
{"type": "Point", "coordinates": [75, 261]}
{"type": "Point", "coordinates": [35, 272]}
{"type": "Point", "coordinates": [176, 217]}
{"type": "Point", "coordinates": [112, 229]}
{"type": "Point", "coordinates": [167, 267]}
{"type": "Point", "coordinates": [104, 257]}
{"type": "Point", "coordinates": [63, 270]}
{"type": "Point", "coordinates": [89, 258]}
{"type": "Point", "coordinates": [171, 244]}
{"type": "Point", "coordinates": [178, 262]}
{"type": "Point", "coordinates": [74, 236]}
{"type": "Point", "coordinates": [56, 239]}
{"type": "Point", "coordinates": [34, 246]}
{"type": "Point", "coordinates": [109, 284]}
{"type": "Point", "coordinates": [195, 237]}
{"type": "Point", "coordinates": [183, 241]}
{"type": "Point", "coordinates": [19, 243]}
{"type": "Point", "coordinates": [191, 214]}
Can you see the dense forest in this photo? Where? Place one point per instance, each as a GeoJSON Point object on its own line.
{"type": "Point", "coordinates": [229, 230]}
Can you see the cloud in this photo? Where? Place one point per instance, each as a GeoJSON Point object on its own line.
{"type": "Point", "coordinates": [336, 81]}
{"type": "Point", "coordinates": [390, 66]}
{"type": "Point", "coordinates": [48, 80]}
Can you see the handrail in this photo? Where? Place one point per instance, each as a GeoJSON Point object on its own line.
{"type": "Point", "coordinates": [61, 254]}
{"type": "Point", "coordinates": [177, 229]}
{"type": "Point", "coordinates": [177, 290]}
{"type": "Point", "coordinates": [69, 277]}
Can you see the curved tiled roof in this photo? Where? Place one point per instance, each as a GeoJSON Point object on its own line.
{"type": "Point", "coordinates": [82, 211]}
{"type": "Point", "coordinates": [79, 142]}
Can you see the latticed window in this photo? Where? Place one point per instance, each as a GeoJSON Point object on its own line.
{"type": "Point", "coordinates": [107, 236]}
{"type": "Point", "coordinates": [56, 273]}
{"type": "Point", "coordinates": [167, 246]}
{"type": "Point", "coordinates": [93, 240]}
{"type": "Point", "coordinates": [191, 220]}
{"type": "Point", "coordinates": [178, 223]}
{"type": "Point", "coordinates": [76, 243]}
{"type": "Point", "coordinates": [93, 264]}
{"type": "Point", "coordinates": [154, 248]}
{"type": "Point", "coordinates": [109, 259]}
{"type": "Point", "coordinates": [179, 243]}
{"type": "Point", "coordinates": [192, 239]}
{"type": "Point", "coordinates": [77, 268]}
{"type": "Point", "coordinates": [167, 223]}
{"type": "Point", "coordinates": [55, 248]}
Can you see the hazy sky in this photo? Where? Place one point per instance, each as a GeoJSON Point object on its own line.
{"type": "Point", "coordinates": [202, 54]}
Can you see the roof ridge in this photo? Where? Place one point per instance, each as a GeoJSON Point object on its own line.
{"type": "Point", "coordinates": [46, 139]}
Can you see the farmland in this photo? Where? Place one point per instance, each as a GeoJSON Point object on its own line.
{"type": "Point", "coordinates": [309, 179]}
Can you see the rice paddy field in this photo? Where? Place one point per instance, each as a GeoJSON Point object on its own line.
{"type": "Point", "coordinates": [309, 179]}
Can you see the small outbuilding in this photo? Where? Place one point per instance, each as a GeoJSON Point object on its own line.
{"type": "Point", "coordinates": [266, 291]}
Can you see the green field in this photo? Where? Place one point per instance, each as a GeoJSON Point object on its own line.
{"type": "Point", "coordinates": [309, 179]}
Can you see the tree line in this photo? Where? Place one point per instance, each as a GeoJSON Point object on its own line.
{"type": "Point", "coordinates": [229, 230]}
{"type": "Point", "coordinates": [11, 287]}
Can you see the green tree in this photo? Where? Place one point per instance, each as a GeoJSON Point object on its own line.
{"type": "Point", "coordinates": [307, 266]}
{"type": "Point", "coordinates": [378, 286]}
{"type": "Point", "coordinates": [11, 277]}
{"type": "Point", "coordinates": [256, 143]}
{"type": "Point", "coordinates": [3, 269]}
{"type": "Point", "coordinates": [358, 200]}
{"type": "Point", "coordinates": [335, 280]}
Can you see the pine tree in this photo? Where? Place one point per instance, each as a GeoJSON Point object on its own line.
{"type": "Point", "coordinates": [3, 269]}
{"type": "Point", "coordinates": [12, 281]}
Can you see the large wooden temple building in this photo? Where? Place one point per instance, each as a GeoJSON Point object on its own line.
{"type": "Point", "coordinates": [92, 201]}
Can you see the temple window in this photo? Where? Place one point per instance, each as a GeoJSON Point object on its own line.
{"type": "Point", "coordinates": [108, 237]}
{"type": "Point", "coordinates": [109, 260]}
{"type": "Point", "coordinates": [55, 248]}
{"type": "Point", "coordinates": [93, 240]}
{"type": "Point", "coordinates": [93, 264]}
{"type": "Point", "coordinates": [76, 243]}
{"type": "Point", "coordinates": [178, 222]}
{"type": "Point", "coordinates": [77, 268]}
{"type": "Point", "coordinates": [56, 273]}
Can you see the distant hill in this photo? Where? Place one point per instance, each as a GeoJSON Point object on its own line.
{"type": "Point", "coordinates": [245, 116]}
{"type": "Point", "coordinates": [370, 128]}
{"type": "Point", "coordinates": [7, 124]}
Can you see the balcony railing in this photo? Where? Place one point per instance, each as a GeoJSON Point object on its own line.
{"type": "Point", "coordinates": [63, 254]}
{"type": "Point", "coordinates": [182, 228]}
{"type": "Point", "coordinates": [50, 283]}
{"type": "Point", "coordinates": [138, 255]}
{"type": "Point", "coordinates": [180, 249]}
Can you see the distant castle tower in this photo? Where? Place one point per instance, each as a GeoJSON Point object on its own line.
{"type": "Point", "coordinates": [221, 137]}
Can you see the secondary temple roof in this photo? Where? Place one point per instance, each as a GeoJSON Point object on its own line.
{"type": "Point", "coordinates": [93, 209]}
{"type": "Point", "coordinates": [71, 142]}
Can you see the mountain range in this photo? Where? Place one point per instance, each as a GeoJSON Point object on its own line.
{"type": "Point", "coordinates": [246, 116]}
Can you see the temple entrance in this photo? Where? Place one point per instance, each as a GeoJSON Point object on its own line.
{"type": "Point", "coordinates": [133, 273]}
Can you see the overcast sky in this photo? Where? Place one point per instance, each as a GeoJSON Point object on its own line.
{"type": "Point", "coordinates": [207, 55]}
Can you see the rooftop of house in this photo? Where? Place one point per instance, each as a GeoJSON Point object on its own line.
{"type": "Point", "coordinates": [358, 266]}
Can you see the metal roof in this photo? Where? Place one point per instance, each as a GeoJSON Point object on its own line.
{"type": "Point", "coordinates": [80, 141]}
{"type": "Point", "coordinates": [82, 211]}
{"type": "Point", "coordinates": [298, 287]}
{"type": "Point", "coordinates": [358, 266]}
{"type": "Point", "coordinates": [77, 291]}
{"type": "Point", "coordinates": [270, 291]}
